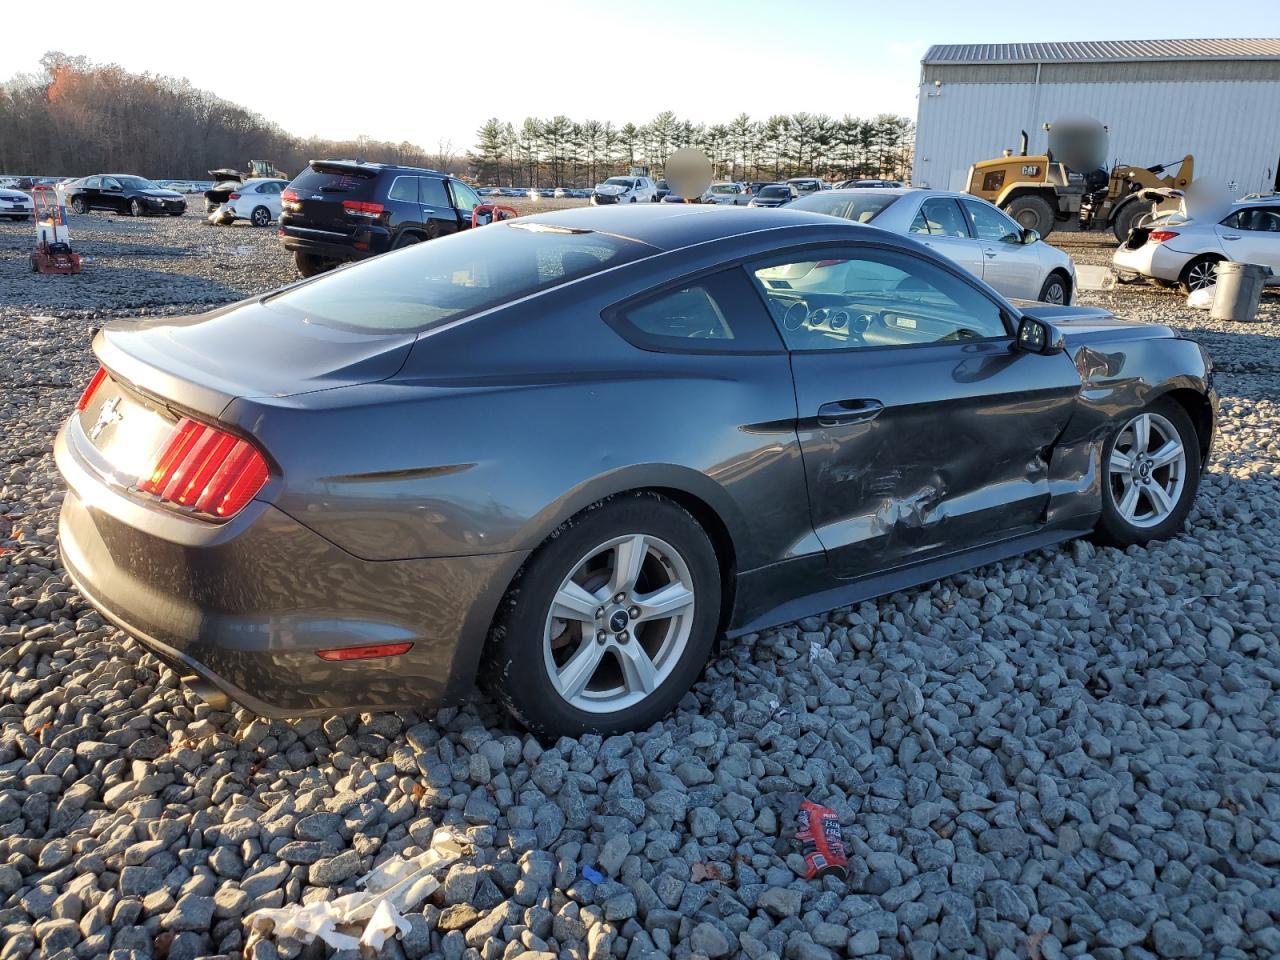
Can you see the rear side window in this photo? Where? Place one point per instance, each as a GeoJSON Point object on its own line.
{"type": "Point", "coordinates": [941, 217]}
{"type": "Point", "coordinates": [405, 189]}
{"type": "Point", "coordinates": [431, 190]}
{"type": "Point", "coordinates": [719, 313]}
{"type": "Point", "coordinates": [432, 283]}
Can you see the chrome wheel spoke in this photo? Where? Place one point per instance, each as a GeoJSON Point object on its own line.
{"type": "Point", "coordinates": [1141, 433]}
{"type": "Point", "coordinates": [1129, 502]}
{"type": "Point", "coordinates": [577, 672]}
{"type": "Point", "coordinates": [1161, 504]}
{"type": "Point", "coordinates": [574, 602]}
{"type": "Point", "coordinates": [1169, 452]}
{"type": "Point", "coordinates": [670, 600]}
{"type": "Point", "coordinates": [638, 671]}
{"type": "Point", "coordinates": [1121, 462]}
{"type": "Point", "coordinates": [628, 558]}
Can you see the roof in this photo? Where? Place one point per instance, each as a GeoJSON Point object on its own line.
{"type": "Point", "coordinates": [1105, 51]}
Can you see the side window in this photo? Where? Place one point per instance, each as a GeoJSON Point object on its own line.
{"type": "Point", "coordinates": [271, 186]}
{"type": "Point", "coordinates": [1233, 221]}
{"type": "Point", "coordinates": [1260, 219]}
{"type": "Point", "coordinates": [405, 189]}
{"type": "Point", "coordinates": [93, 183]}
{"type": "Point", "coordinates": [715, 314]}
{"type": "Point", "coordinates": [943, 217]}
{"type": "Point", "coordinates": [111, 183]}
{"type": "Point", "coordinates": [990, 224]}
{"type": "Point", "coordinates": [431, 192]}
{"type": "Point", "coordinates": [464, 198]}
{"type": "Point", "coordinates": [856, 298]}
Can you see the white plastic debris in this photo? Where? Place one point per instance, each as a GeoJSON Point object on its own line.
{"type": "Point", "coordinates": [1201, 299]}
{"type": "Point", "coordinates": [392, 889]}
{"type": "Point", "coordinates": [820, 654]}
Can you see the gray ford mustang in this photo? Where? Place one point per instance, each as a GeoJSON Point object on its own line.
{"type": "Point", "coordinates": [561, 455]}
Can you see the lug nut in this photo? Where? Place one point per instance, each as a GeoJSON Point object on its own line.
{"type": "Point", "coordinates": [619, 598]}
{"type": "Point", "coordinates": [623, 637]}
{"type": "Point", "coordinates": [634, 613]}
{"type": "Point", "coordinates": [601, 636]}
{"type": "Point", "coordinates": [600, 613]}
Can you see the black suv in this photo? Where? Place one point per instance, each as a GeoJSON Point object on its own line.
{"type": "Point", "coordinates": [341, 210]}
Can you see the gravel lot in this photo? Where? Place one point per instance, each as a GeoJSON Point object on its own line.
{"type": "Point", "coordinates": [1072, 753]}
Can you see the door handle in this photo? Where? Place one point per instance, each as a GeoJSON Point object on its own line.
{"type": "Point", "coordinates": [989, 253]}
{"type": "Point", "coordinates": [839, 412]}
{"type": "Point", "coordinates": [1230, 236]}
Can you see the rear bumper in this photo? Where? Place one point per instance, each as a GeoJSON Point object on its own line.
{"type": "Point", "coordinates": [245, 605]}
{"type": "Point", "coordinates": [1150, 260]}
{"type": "Point", "coordinates": [332, 244]}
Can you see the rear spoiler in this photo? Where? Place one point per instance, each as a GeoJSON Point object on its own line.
{"type": "Point", "coordinates": [351, 167]}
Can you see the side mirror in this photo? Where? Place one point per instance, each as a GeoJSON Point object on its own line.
{"type": "Point", "coordinates": [1037, 336]}
{"type": "Point", "coordinates": [1029, 235]}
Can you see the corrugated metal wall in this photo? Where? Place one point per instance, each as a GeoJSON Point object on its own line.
{"type": "Point", "coordinates": [1232, 127]}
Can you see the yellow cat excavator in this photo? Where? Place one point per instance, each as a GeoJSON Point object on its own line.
{"type": "Point", "coordinates": [1072, 180]}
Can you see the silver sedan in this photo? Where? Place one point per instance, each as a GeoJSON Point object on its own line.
{"type": "Point", "coordinates": [972, 232]}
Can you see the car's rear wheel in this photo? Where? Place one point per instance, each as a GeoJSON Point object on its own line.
{"type": "Point", "coordinates": [260, 216]}
{"type": "Point", "coordinates": [1199, 273]}
{"type": "Point", "coordinates": [1056, 290]}
{"type": "Point", "coordinates": [406, 240]}
{"type": "Point", "coordinates": [1152, 471]}
{"type": "Point", "coordinates": [135, 208]}
{"type": "Point", "coordinates": [309, 264]}
{"type": "Point", "coordinates": [610, 622]}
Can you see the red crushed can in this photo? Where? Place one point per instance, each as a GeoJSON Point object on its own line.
{"type": "Point", "coordinates": [821, 843]}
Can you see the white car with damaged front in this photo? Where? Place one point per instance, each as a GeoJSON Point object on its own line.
{"type": "Point", "coordinates": [625, 190]}
{"type": "Point", "coordinates": [969, 231]}
{"type": "Point", "coordinates": [1186, 250]}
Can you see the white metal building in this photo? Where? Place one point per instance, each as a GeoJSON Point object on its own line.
{"type": "Point", "coordinates": [1160, 99]}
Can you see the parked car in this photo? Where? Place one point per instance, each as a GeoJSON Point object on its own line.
{"type": "Point", "coordinates": [15, 205]}
{"type": "Point", "coordinates": [728, 193]}
{"type": "Point", "coordinates": [863, 184]}
{"type": "Point", "coordinates": [755, 185]}
{"type": "Point", "coordinates": [1187, 250]}
{"type": "Point", "coordinates": [971, 232]}
{"type": "Point", "coordinates": [774, 195]}
{"type": "Point", "coordinates": [625, 190]}
{"type": "Point", "coordinates": [341, 210]}
{"type": "Point", "coordinates": [123, 193]}
{"type": "Point", "coordinates": [806, 185]}
{"type": "Point", "coordinates": [366, 491]}
{"type": "Point", "coordinates": [661, 187]}
{"type": "Point", "coordinates": [535, 194]}
{"type": "Point", "coordinates": [227, 181]}
{"type": "Point", "coordinates": [257, 201]}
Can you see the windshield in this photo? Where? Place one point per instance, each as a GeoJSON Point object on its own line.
{"type": "Point", "coordinates": [431, 283]}
{"type": "Point", "coordinates": [619, 181]}
{"type": "Point", "coordinates": [723, 188]}
{"type": "Point", "coordinates": [772, 193]}
{"type": "Point", "coordinates": [138, 183]}
{"type": "Point", "coordinates": [858, 207]}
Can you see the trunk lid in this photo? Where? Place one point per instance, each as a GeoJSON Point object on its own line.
{"type": "Point", "coordinates": [249, 350]}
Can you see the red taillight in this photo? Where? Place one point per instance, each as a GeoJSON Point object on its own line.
{"type": "Point", "coordinates": [362, 208]}
{"type": "Point", "coordinates": [1160, 236]}
{"type": "Point", "coordinates": [234, 196]}
{"type": "Point", "coordinates": [371, 652]}
{"type": "Point", "coordinates": [206, 468]}
{"type": "Point", "coordinates": [91, 389]}
{"type": "Point", "coordinates": [290, 195]}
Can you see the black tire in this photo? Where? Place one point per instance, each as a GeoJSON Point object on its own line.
{"type": "Point", "coordinates": [1199, 273]}
{"type": "Point", "coordinates": [406, 240]}
{"type": "Point", "coordinates": [1032, 212]}
{"type": "Point", "coordinates": [135, 207]}
{"type": "Point", "coordinates": [633, 198]}
{"type": "Point", "coordinates": [1126, 218]}
{"type": "Point", "coordinates": [514, 667]}
{"type": "Point", "coordinates": [1113, 529]}
{"type": "Point", "coordinates": [78, 205]}
{"type": "Point", "coordinates": [1056, 290]}
{"type": "Point", "coordinates": [260, 217]}
{"type": "Point", "coordinates": [309, 265]}
{"type": "Point", "coordinates": [176, 213]}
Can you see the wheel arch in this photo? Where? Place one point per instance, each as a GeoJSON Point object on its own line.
{"type": "Point", "coordinates": [1025, 188]}
{"type": "Point", "coordinates": [1200, 410]}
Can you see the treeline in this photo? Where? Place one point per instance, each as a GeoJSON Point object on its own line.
{"type": "Point", "coordinates": [76, 117]}
{"type": "Point", "coordinates": [565, 152]}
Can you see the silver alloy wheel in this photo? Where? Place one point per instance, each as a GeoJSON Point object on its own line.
{"type": "Point", "coordinates": [1056, 293]}
{"type": "Point", "coordinates": [619, 623]}
{"type": "Point", "coordinates": [261, 216]}
{"type": "Point", "coordinates": [1147, 470]}
{"type": "Point", "coordinates": [1203, 274]}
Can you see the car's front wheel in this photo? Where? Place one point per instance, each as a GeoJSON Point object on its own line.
{"type": "Point", "coordinates": [78, 205]}
{"type": "Point", "coordinates": [1152, 471]}
{"type": "Point", "coordinates": [1056, 290]}
{"type": "Point", "coordinates": [135, 208]}
{"type": "Point", "coordinates": [610, 621]}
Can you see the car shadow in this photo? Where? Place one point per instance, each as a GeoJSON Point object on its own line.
{"type": "Point", "coordinates": [125, 288]}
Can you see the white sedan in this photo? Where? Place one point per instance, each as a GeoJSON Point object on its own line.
{"type": "Point", "coordinates": [256, 200]}
{"type": "Point", "coordinates": [969, 231]}
{"type": "Point", "coordinates": [1187, 250]}
{"type": "Point", "coordinates": [15, 204]}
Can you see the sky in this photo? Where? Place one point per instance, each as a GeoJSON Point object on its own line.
{"type": "Point", "coordinates": [431, 73]}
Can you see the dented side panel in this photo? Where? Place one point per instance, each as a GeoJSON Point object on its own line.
{"type": "Point", "coordinates": [957, 456]}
